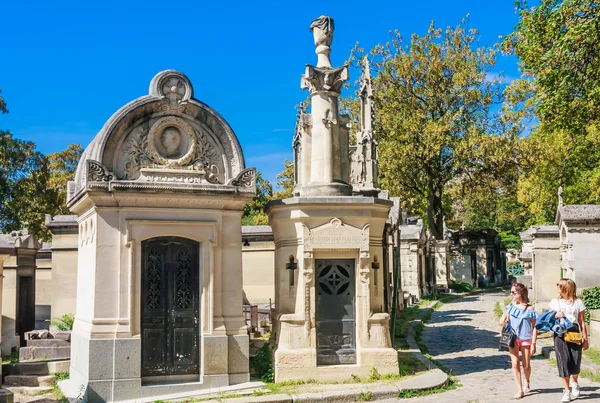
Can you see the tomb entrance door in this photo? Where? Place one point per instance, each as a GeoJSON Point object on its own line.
{"type": "Point", "coordinates": [170, 309]}
{"type": "Point", "coordinates": [335, 300]}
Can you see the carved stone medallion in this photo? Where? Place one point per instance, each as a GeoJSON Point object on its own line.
{"type": "Point", "coordinates": [172, 142]}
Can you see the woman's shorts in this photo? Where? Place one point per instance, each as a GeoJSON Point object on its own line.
{"type": "Point", "coordinates": [522, 343]}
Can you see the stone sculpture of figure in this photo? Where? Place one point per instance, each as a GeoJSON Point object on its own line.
{"type": "Point", "coordinates": [560, 197]}
{"type": "Point", "coordinates": [322, 29]}
{"type": "Point", "coordinates": [171, 139]}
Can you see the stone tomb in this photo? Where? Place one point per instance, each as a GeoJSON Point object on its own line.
{"type": "Point", "coordinates": [159, 195]}
{"type": "Point", "coordinates": [331, 320]}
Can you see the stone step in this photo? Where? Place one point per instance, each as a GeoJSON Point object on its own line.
{"type": "Point", "coordinates": [43, 353]}
{"type": "Point", "coordinates": [29, 380]}
{"type": "Point", "coordinates": [36, 367]}
{"type": "Point", "coordinates": [30, 390]}
{"type": "Point", "coordinates": [48, 343]}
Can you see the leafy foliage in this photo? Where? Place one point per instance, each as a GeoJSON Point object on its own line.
{"type": "Point", "coordinates": [262, 363]}
{"type": "Point", "coordinates": [285, 181]}
{"type": "Point", "coordinates": [254, 212]}
{"type": "Point", "coordinates": [438, 136]}
{"type": "Point", "coordinates": [591, 299]}
{"type": "Point", "coordinates": [3, 108]}
{"type": "Point", "coordinates": [557, 44]}
{"type": "Point", "coordinates": [65, 322]}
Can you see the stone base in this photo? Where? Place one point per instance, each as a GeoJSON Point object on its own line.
{"type": "Point", "coordinates": [109, 370]}
{"type": "Point", "coordinates": [326, 189]}
{"type": "Point", "coordinates": [6, 396]}
{"type": "Point", "coordinates": [301, 365]}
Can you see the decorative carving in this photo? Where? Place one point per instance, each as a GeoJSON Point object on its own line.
{"type": "Point", "coordinates": [170, 134]}
{"type": "Point", "coordinates": [324, 79]}
{"type": "Point", "coordinates": [335, 235]}
{"type": "Point", "coordinates": [153, 283]}
{"type": "Point", "coordinates": [171, 144]}
{"type": "Point", "coordinates": [172, 85]}
{"type": "Point", "coordinates": [183, 296]}
{"type": "Point", "coordinates": [246, 178]}
{"type": "Point", "coordinates": [96, 172]}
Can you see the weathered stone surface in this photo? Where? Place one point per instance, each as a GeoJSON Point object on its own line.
{"type": "Point", "coordinates": [43, 353]}
{"type": "Point", "coordinates": [36, 367]}
{"type": "Point", "coordinates": [48, 343]}
{"type": "Point", "coordinates": [29, 380]}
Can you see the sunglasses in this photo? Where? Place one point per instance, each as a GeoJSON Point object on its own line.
{"type": "Point", "coordinates": [513, 292]}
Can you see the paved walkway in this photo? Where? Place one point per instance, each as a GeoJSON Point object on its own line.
{"type": "Point", "coordinates": [462, 336]}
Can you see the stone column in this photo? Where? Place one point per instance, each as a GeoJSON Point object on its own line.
{"type": "Point", "coordinates": [5, 395]}
{"type": "Point", "coordinates": [327, 149]}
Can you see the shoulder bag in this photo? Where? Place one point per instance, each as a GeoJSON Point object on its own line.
{"type": "Point", "coordinates": [509, 335]}
{"type": "Point", "coordinates": [571, 336]}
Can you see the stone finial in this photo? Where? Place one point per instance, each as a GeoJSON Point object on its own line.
{"type": "Point", "coordinates": [560, 197]}
{"type": "Point", "coordinates": [322, 29]}
{"type": "Point", "coordinates": [367, 120]}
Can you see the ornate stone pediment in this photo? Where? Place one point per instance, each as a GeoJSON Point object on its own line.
{"type": "Point", "coordinates": [163, 141]}
{"type": "Point", "coordinates": [336, 235]}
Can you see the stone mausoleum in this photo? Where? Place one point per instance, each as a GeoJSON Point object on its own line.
{"type": "Point", "coordinates": [329, 238]}
{"type": "Point", "coordinates": [159, 196]}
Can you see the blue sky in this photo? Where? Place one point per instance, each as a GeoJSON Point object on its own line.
{"type": "Point", "coordinates": [67, 66]}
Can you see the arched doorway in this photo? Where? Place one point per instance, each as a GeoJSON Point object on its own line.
{"type": "Point", "coordinates": [170, 309]}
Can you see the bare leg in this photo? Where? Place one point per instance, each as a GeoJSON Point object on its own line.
{"type": "Point", "coordinates": [526, 354]}
{"type": "Point", "coordinates": [565, 382]}
{"type": "Point", "coordinates": [575, 377]}
{"type": "Point", "coordinates": [516, 367]}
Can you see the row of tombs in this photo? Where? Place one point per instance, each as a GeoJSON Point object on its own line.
{"type": "Point", "coordinates": [157, 267]}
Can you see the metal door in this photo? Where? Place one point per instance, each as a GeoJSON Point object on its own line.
{"type": "Point", "coordinates": [335, 312]}
{"type": "Point", "coordinates": [170, 307]}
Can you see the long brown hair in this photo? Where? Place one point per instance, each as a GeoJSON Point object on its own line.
{"type": "Point", "coordinates": [568, 289]}
{"type": "Point", "coordinates": [521, 289]}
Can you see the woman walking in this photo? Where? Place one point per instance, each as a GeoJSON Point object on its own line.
{"type": "Point", "coordinates": [569, 345]}
{"type": "Point", "coordinates": [520, 316]}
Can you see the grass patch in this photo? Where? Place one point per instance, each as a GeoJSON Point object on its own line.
{"type": "Point", "coordinates": [403, 322]}
{"type": "Point", "coordinates": [56, 392]}
{"type": "Point", "coordinates": [498, 310]}
{"type": "Point", "coordinates": [365, 396]}
{"type": "Point", "coordinates": [594, 376]}
{"type": "Point", "coordinates": [592, 354]}
{"type": "Point", "coordinates": [450, 385]}
{"type": "Point", "coordinates": [11, 359]}
{"type": "Point", "coordinates": [408, 365]}
{"type": "Point", "coordinates": [507, 300]}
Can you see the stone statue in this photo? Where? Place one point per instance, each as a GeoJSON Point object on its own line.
{"type": "Point", "coordinates": [322, 29]}
{"type": "Point", "coordinates": [560, 197]}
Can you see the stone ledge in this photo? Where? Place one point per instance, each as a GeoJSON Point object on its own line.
{"type": "Point", "coordinates": [330, 200]}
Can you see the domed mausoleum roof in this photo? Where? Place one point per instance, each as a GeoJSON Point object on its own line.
{"type": "Point", "coordinates": [164, 141]}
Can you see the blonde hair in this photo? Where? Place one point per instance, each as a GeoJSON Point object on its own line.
{"type": "Point", "coordinates": [568, 289]}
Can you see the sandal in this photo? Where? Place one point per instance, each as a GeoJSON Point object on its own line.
{"type": "Point", "coordinates": [526, 389]}
{"type": "Point", "coordinates": [519, 395]}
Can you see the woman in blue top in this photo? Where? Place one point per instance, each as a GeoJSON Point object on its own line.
{"type": "Point", "coordinates": [520, 316]}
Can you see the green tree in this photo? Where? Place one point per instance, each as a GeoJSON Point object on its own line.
{"type": "Point", "coordinates": [23, 182]}
{"type": "Point", "coordinates": [285, 181]}
{"type": "Point", "coordinates": [433, 98]}
{"type": "Point", "coordinates": [3, 108]}
{"type": "Point", "coordinates": [61, 169]}
{"type": "Point", "coordinates": [557, 44]}
{"type": "Point", "coordinates": [254, 211]}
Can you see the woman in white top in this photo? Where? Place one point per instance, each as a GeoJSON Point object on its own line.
{"type": "Point", "coordinates": [568, 355]}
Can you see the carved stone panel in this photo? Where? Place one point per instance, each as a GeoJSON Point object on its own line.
{"type": "Point", "coordinates": [336, 235]}
{"type": "Point", "coordinates": [170, 149]}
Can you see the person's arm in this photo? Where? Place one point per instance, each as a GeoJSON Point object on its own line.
{"type": "Point", "coordinates": [503, 320]}
{"type": "Point", "coordinates": [533, 336]}
{"type": "Point", "coordinates": [581, 320]}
